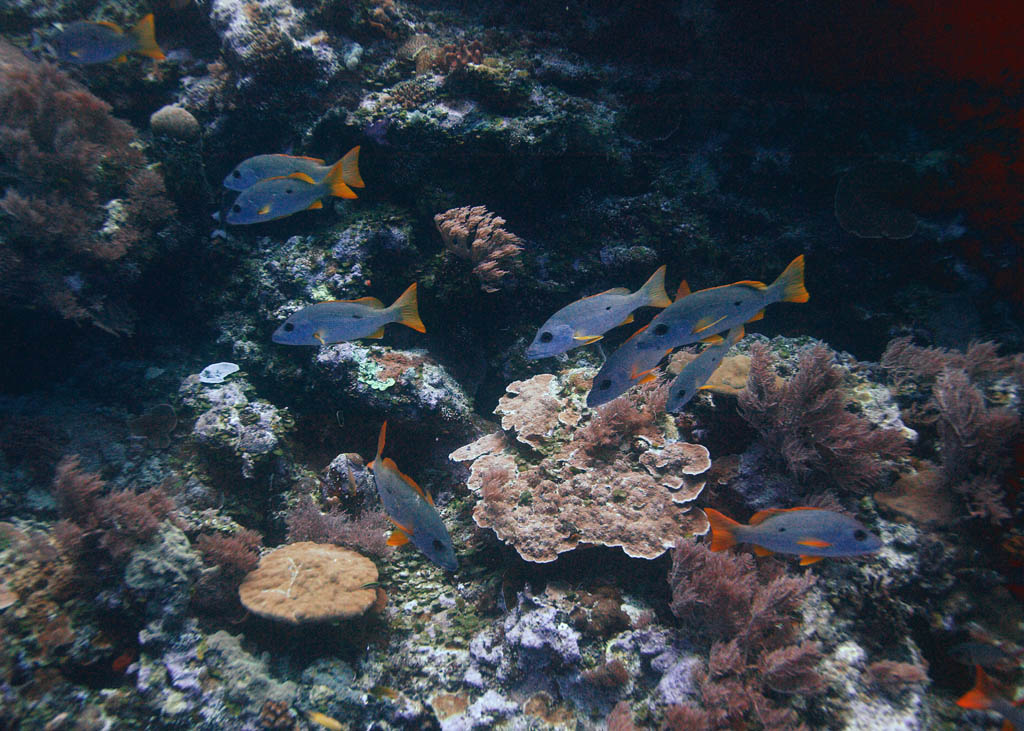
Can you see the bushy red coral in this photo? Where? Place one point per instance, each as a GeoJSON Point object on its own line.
{"type": "Point", "coordinates": [366, 532]}
{"type": "Point", "coordinates": [476, 234]}
{"type": "Point", "coordinates": [78, 197]}
{"type": "Point", "coordinates": [805, 424]}
{"type": "Point", "coordinates": [230, 557]}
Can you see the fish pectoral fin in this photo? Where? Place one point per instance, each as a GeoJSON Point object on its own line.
{"type": "Point", "coordinates": [587, 339]}
{"type": "Point", "coordinates": [264, 210]}
{"type": "Point", "coordinates": [376, 334]}
{"type": "Point", "coordinates": [713, 340]}
{"type": "Point", "coordinates": [813, 543]}
{"type": "Point", "coordinates": [758, 316]}
{"type": "Point", "coordinates": [705, 323]}
{"type": "Point", "coordinates": [399, 526]}
{"type": "Point", "coordinates": [320, 336]}
{"type": "Point", "coordinates": [314, 205]}
{"type": "Point", "coordinates": [683, 290]}
{"type": "Point", "coordinates": [121, 59]}
{"type": "Point", "coordinates": [807, 560]}
{"type": "Point", "coordinates": [761, 551]}
{"type": "Point", "coordinates": [398, 538]}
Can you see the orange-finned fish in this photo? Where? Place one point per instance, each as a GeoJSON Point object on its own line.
{"type": "Point", "coordinates": [698, 371]}
{"type": "Point", "coordinates": [284, 195]}
{"type": "Point", "coordinates": [586, 320]}
{"type": "Point", "coordinates": [251, 171]}
{"type": "Point", "coordinates": [322, 719]}
{"type": "Point", "coordinates": [341, 320]}
{"type": "Point", "coordinates": [811, 533]}
{"type": "Point", "coordinates": [84, 42]}
{"type": "Point", "coordinates": [696, 316]}
{"type": "Point", "coordinates": [411, 510]}
{"type": "Point", "coordinates": [985, 696]}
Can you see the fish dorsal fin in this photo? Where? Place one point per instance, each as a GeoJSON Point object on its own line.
{"type": "Point", "coordinates": [762, 515]}
{"type": "Point", "coordinates": [742, 283]}
{"type": "Point", "coordinates": [107, 24]}
{"type": "Point", "coordinates": [376, 334]}
{"type": "Point", "coordinates": [683, 290]}
{"type": "Point", "coordinates": [587, 339]}
{"type": "Point", "coordinates": [756, 317]}
{"type": "Point", "coordinates": [398, 537]}
{"type": "Point", "coordinates": [808, 560]}
{"type": "Point", "coordinates": [369, 302]}
{"type": "Point", "coordinates": [317, 160]}
{"type": "Point", "coordinates": [813, 543]}
{"type": "Point", "coordinates": [761, 551]}
{"type": "Point", "coordinates": [629, 319]}
{"type": "Point", "coordinates": [314, 205]}
{"type": "Point", "coordinates": [390, 463]}
{"type": "Point", "coordinates": [301, 176]}
{"type": "Point", "coordinates": [380, 441]}
{"type": "Point", "coordinates": [706, 323]}
{"type": "Point", "coordinates": [613, 290]}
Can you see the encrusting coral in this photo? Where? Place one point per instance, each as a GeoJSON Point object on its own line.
{"type": "Point", "coordinates": [476, 234]}
{"type": "Point", "coordinates": [547, 486]}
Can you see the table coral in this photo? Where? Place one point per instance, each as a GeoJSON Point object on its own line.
{"type": "Point", "coordinates": [556, 494]}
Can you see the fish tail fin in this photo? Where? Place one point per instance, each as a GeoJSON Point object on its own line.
{"type": "Point", "coordinates": [653, 292]}
{"type": "Point", "coordinates": [790, 284]}
{"type": "Point", "coordinates": [407, 307]}
{"type": "Point", "coordinates": [335, 181]}
{"type": "Point", "coordinates": [380, 441]}
{"type": "Point", "coordinates": [723, 530]}
{"type": "Point", "coordinates": [350, 168]}
{"type": "Point", "coordinates": [980, 696]}
{"type": "Point", "coordinates": [145, 34]}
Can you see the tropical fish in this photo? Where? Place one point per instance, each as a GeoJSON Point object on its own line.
{"type": "Point", "coordinates": [985, 696]}
{"type": "Point", "coordinates": [623, 369]}
{"type": "Point", "coordinates": [322, 719]}
{"type": "Point", "coordinates": [710, 311]}
{"type": "Point", "coordinates": [697, 372]}
{"type": "Point", "coordinates": [284, 195]}
{"type": "Point", "coordinates": [811, 533]}
{"type": "Point", "coordinates": [84, 42]}
{"type": "Point", "coordinates": [411, 510]}
{"type": "Point", "coordinates": [251, 171]}
{"type": "Point", "coordinates": [586, 320]}
{"type": "Point", "coordinates": [341, 320]}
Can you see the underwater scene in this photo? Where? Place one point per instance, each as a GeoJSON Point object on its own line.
{"type": "Point", "coordinates": [526, 365]}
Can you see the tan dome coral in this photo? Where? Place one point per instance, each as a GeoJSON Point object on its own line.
{"type": "Point", "coordinates": [310, 582]}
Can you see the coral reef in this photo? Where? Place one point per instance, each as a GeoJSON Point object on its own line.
{"type": "Point", "coordinates": [476, 234]}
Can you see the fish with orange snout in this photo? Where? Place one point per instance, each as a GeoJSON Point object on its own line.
{"type": "Point", "coordinates": [261, 167]}
{"type": "Point", "coordinates": [85, 42]}
{"type": "Point", "coordinates": [340, 320]}
{"type": "Point", "coordinates": [811, 533]}
{"type": "Point", "coordinates": [586, 320]}
{"type": "Point", "coordinates": [696, 316]}
{"type": "Point", "coordinates": [284, 195]}
{"type": "Point", "coordinates": [986, 696]}
{"type": "Point", "coordinates": [412, 511]}
{"type": "Point", "coordinates": [698, 371]}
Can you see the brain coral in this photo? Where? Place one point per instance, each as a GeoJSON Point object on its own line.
{"type": "Point", "coordinates": [545, 490]}
{"type": "Point", "coordinates": [310, 582]}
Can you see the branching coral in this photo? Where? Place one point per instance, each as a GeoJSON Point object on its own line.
{"type": "Point", "coordinates": [476, 234]}
{"type": "Point", "coordinates": [366, 532]}
{"type": "Point", "coordinates": [78, 199]}
{"type": "Point", "coordinates": [554, 487]}
{"type": "Point", "coordinates": [805, 422]}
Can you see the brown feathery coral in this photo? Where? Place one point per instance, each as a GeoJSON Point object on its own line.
{"type": "Point", "coordinates": [310, 582]}
{"type": "Point", "coordinates": [476, 234]}
{"type": "Point", "coordinates": [560, 492]}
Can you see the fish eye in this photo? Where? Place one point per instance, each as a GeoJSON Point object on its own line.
{"type": "Point", "coordinates": [237, 173]}
{"type": "Point", "coordinates": [546, 337]}
{"type": "Point", "coordinates": [737, 303]}
{"type": "Point", "coordinates": [438, 546]}
{"type": "Point", "coordinates": [605, 384]}
{"type": "Point", "coordinates": [860, 535]}
{"type": "Point", "coordinates": [660, 329]}
{"type": "Point", "coordinates": [236, 208]}
{"type": "Point", "coordinates": [288, 327]}
{"type": "Point", "coordinates": [288, 191]}
{"type": "Point", "coordinates": [607, 308]}
{"type": "Point", "coordinates": [782, 529]}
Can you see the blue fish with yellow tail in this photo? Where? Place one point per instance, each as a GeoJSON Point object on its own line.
{"type": "Point", "coordinates": [811, 533]}
{"type": "Point", "coordinates": [698, 315]}
{"type": "Point", "coordinates": [623, 369]}
{"type": "Point", "coordinates": [412, 511]}
{"type": "Point", "coordinates": [586, 320]}
{"type": "Point", "coordinates": [284, 195]}
{"type": "Point", "coordinates": [335, 322]}
{"type": "Point", "coordinates": [260, 167]}
{"type": "Point", "coordinates": [85, 42]}
{"type": "Point", "coordinates": [698, 371]}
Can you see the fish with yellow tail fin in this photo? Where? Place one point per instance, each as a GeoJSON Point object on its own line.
{"type": "Point", "coordinates": [284, 195]}
{"type": "Point", "coordinates": [411, 510]}
{"type": "Point", "coordinates": [251, 171]}
{"type": "Point", "coordinates": [985, 696]}
{"type": "Point", "coordinates": [707, 312]}
{"type": "Point", "coordinates": [811, 533]}
{"type": "Point", "coordinates": [698, 371]}
{"type": "Point", "coordinates": [335, 322]}
{"type": "Point", "coordinates": [84, 42]}
{"type": "Point", "coordinates": [586, 320]}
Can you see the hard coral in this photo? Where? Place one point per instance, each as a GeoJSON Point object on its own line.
{"type": "Point", "coordinates": [476, 234]}
{"type": "Point", "coordinates": [79, 200]}
{"type": "Point", "coordinates": [560, 493]}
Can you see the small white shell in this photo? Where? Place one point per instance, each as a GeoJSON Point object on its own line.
{"type": "Point", "coordinates": [217, 372]}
